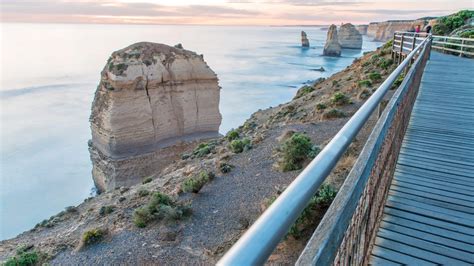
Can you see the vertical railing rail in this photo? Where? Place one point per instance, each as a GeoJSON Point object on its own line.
{"type": "Point", "coordinates": [257, 244]}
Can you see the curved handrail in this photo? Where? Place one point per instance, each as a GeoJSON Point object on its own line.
{"type": "Point", "coordinates": [257, 244]}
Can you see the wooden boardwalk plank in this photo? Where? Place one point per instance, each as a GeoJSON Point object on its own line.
{"type": "Point", "coordinates": [467, 248]}
{"type": "Point", "coordinates": [436, 230]}
{"type": "Point", "coordinates": [424, 249]}
{"type": "Point", "coordinates": [429, 213]}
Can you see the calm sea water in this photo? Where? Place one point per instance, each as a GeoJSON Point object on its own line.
{"type": "Point", "coordinates": [49, 73]}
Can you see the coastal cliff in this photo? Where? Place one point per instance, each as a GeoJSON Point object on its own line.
{"type": "Point", "coordinates": [151, 97]}
{"type": "Point", "coordinates": [362, 29]}
{"type": "Point", "coordinates": [383, 31]}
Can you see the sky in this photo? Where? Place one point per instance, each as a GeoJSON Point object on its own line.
{"type": "Point", "coordinates": [224, 12]}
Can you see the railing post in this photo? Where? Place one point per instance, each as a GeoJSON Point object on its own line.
{"type": "Point", "coordinates": [401, 50]}
{"type": "Point", "coordinates": [462, 48]}
{"type": "Point", "coordinates": [393, 46]}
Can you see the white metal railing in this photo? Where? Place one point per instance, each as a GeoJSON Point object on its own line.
{"type": "Point", "coordinates": [257, 244]}
{"type": "Point", "coordinates": [456, 45]}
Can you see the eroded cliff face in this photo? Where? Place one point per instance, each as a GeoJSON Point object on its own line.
{"type": "Point", "coordinates": [349, 37]}
{"type": "Point", "coordinates": [362, 29]}
{"type": "Point", "coordinates": [152, 99]}
{"type": "Point", "coordinates": [383, 31]}
{"type": "Point", "coordinates": [332, 46]}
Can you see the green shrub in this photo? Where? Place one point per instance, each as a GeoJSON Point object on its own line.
{"type": "Point", "coordinates": [364, 83]}
{"type": "Point", "coordinates": [334, 113]}
{"type": "Point", "coordinates": [366, 63]}
{"type": "Point", "coordinates": [232, 135]}
{"type": "Point", "coordinates": [335, 83]}
{"type": "Point", "coordinates": [295, 151]}
{"type": "Point", "coordinates": [374, 59]}
{"type": "Point", "coordinates": [92, 236]}
{"type": "Point", "coordinates": [303, 91]}
{"type": "Point", "coordinates": [322, 199]}
{"type": "Point", "coordinates": [385, 63]}
{"type": "Point", "coordinates": [388, 44]}
{"type": "Point", "coordinates": [104, 210]}
{"type": "Point", "coordinates": [160, 207]}
{"type": "Point", "coordinates": [398, 81]}
{"type": "Point", "coordinates": [143, 192]}
{"type": "Point", "coordinates": [195, 183]}
{"type": "Point", "coordinates": [147, 180]}
{"type": "Point", "coordinates": [467, 34]}
{"type": "Point", "coordinates": [238, 146]}
{"type": "Point", "coordinates": [202, 150]}
{"type": "Point", "coordinates": [225, 167]}
{"type": "Point", "coordinates": [24, 258]}
{"type": "Point", "coordinates": [449, 23]}
{"type": "Point", "coordinates": [375, 76]}
{"type": "Point", "coordinates": [321, 106]}
{"type": "Point", "coordinates": [314, 152]}
{"type": "Point", "coordinates": [324, 196]}
{"type": "Point", "coordinates": [340, 98]}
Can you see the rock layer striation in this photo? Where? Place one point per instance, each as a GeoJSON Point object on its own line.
{"type": "Point", "coordinates": [152, 98]}
{"type": "Point", "coordinates": [383, 31]}
{"type": "Point", "coordinates": [332, 46]}
{"type": "Point", "coordinates": [349, 37]}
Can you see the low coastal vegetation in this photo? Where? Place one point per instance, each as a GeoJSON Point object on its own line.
{"type": "Point", "coordinates": [105, 210]}
{"type": "Point", "coordinates": [27, 256]}
{"type": "Point", "coordinates": [319, 202]}
{"type": "Point", "coordinates": [201, 150]}
{"type": "Point", "coordinates": [340, 98]}
{"type": "Point", "coordinates": [240, 145]}
{"type": "Point", "coordinates": [195, 183]}
{"type": "Point", "coordinates": [160, 207]}
{"type": "Point", "coordinates": [92, 236]}
{"type": "Point", "coordinates": [334, 113]}
{"type": "Point", "coordinates": [225, 167]}
{"type": "Point", "coordinates": [295, 151]}
{"type": "Point", "coordinates": [447, 24]}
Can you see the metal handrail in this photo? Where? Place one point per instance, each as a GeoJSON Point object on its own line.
{"type": "Point", "coordinates": [442, 42]}
{"type": "Point", "coordinates": [257, 244]}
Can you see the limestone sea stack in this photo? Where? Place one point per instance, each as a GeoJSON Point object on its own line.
{"type": "Point", "coordinates": [304, 39]}
{"type": "Point", "coordinates": [349, 37]}
{"type": "Point", "coordinates": [151, 99]}
{"type": "Point", "coordinates": [332, 46]}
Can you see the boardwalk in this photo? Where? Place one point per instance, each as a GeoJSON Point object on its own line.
{"type": "Point", "coordinates": [429, 214]}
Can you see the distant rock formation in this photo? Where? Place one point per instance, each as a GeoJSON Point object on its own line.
{"type": "Point", "coordinates": [304, 39]}
{"type": "Point", "coordinates": [362, 29]}
{"type": "Point", "coordinates": [349, 37]}
{"type": "Point", "coordinates": [383, 31]}
{"type": "Point", "coordinates": [332, 46]}
{"type": "Point", "coordinates": [150, 98]}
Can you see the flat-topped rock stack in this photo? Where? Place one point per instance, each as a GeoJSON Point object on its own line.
{"type": "Point", "coordinates": [349, 37]}
{"type": "Point", "coordinates": [151, 98]}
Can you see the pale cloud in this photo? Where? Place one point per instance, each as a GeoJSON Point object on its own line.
{"type": "Point", "coordinates": [225, 12]}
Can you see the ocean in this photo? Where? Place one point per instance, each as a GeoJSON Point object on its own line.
{"type": "Point", "coordinates": [49, 73]}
